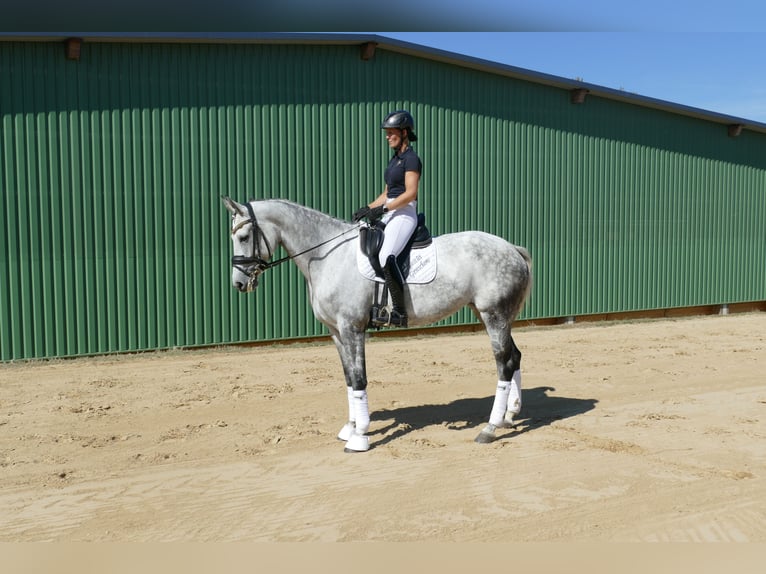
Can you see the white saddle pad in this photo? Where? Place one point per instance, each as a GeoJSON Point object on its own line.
{"type": "Point", "coordinates": [422, 265]}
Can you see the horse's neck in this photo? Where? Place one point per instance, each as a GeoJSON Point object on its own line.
{"type": "Point", "coordinates": [299, 228]}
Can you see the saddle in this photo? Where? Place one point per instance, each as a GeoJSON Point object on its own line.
{"type": "Point", "coordinates": [371, 240]}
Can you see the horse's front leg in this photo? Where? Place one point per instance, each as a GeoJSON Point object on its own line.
{"type": "Point", "coordinates": [350, 345]}
{"type": "Point", "coordinates": [507, 402]}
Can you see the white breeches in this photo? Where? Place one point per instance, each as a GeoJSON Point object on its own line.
{"type": "Point", "coordinates": [400, 224]}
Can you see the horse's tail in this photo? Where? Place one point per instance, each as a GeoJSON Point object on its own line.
{"type": "Point", "coordinates": [528, 260]}
{"type": "Point", "coordinates": [525, 254]}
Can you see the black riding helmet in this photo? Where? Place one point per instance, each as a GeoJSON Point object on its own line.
{"type": "Point", "coordinates": [401, 119]}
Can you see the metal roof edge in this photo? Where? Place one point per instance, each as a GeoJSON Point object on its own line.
{"type": "Point", "coordinates": [194, 37]}
{"type": "Point", "coordinates": [399, 46]}
{"type": "Point", "coordinates": [566, 83]}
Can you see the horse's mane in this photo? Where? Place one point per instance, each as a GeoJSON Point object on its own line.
{"type": "Point", "coordinates": [309, 212]}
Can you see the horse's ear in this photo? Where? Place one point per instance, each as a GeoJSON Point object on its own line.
{"type": "Point", "coordinates": [233, 207]}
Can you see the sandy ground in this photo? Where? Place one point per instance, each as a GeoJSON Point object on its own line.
{"type": "Point", "coordinates": [642, 431]}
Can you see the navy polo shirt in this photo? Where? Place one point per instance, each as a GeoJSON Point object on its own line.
{"type": "Point", "coordinates": [399, 164]}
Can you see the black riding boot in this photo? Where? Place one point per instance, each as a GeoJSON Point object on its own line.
{"type": "Point", "coordinates": [395, 284]}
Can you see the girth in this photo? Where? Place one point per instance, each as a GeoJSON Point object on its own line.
{"type": "Point", "coordinates": [371, 240]}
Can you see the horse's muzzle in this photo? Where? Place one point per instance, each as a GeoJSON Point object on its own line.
{"type": "Point", "coordinates": [246, 286]}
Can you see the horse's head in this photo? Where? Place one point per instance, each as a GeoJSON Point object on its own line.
{"type": "Point", "coordinates": [250, 247]}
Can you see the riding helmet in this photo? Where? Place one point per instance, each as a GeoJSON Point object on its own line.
{"type": "Point", "coordinates": [400, 119]}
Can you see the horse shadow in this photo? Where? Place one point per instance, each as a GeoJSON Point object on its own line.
{"type": "Point", "coordinates": [538, 410]}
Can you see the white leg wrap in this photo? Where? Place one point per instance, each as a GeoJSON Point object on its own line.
{"type": "Point", "coordinates": [345, 433]}
{"type": "Point", "coordinates": [514, 397]}
{"type": "Point", "coordinates": [351, 411]}
{"type": "Point", "coordinates": [350, 427]}
{"type": "Point", "coordinates": [361, 412]}
{"type": "Point", "coordinates": [501, 403]}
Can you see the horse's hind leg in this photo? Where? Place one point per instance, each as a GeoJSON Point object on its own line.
{"type": "Point", "coordinates": [507, 402]}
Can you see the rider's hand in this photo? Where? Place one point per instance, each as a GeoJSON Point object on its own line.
{"type": "Point", "coordinates": [361, 212]}
{"type": "Point", "coordinates": [376, 213]}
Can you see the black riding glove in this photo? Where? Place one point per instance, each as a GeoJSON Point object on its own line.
{"type": "Point", "coordinates": [376, 213]}
{"type": "Point", "coordinates": [361, 212]}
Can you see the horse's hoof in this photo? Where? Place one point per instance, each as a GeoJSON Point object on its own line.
{"type": "Point", "coordinates": [485, 438]}
{"type": "Point", "coordinates": [346, 432]}
{"type": "Point", "coordinates": [509, 423]}
{"type": "Point", "coordinates": [357, 443]}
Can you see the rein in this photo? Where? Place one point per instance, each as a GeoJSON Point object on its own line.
{"type": "Point", "coordinates": [255, 264]}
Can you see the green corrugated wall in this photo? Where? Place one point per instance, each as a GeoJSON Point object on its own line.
{"type": "Point", "coordinates": [113, 238]}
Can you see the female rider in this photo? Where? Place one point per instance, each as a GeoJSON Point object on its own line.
{"type": "Point", "coordinates": [397, 208]}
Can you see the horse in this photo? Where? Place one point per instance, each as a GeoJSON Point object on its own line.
{"type": "Point", "coordinates": [483, 271]}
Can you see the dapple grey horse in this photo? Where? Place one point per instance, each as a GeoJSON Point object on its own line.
{"type": "Point", "coordinates": [483, 271]}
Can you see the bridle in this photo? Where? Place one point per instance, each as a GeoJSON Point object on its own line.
{"type": "Point", "coordinates": [255, 264]}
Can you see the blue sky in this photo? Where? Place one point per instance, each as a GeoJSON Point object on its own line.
{"type": "Point", "coordinates": [723, 72]}
{"type": "Point", "coordinates": [582, 15]}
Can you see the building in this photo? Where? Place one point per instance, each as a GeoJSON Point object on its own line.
{"type": "Point", "coordinates": [114, 152]}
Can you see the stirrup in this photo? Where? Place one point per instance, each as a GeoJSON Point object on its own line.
{"type": "Point", "coordinates": [385, 319]}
